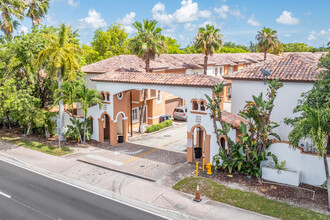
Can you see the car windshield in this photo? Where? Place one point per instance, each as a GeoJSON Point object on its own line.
{"type": "Point", "coordinates": [178, 110]}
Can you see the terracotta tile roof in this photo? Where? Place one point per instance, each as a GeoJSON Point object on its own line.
{"type": "Point", "coordinates": [233, 120]}
{"type": "Point", "coordinates": [160, 79]}
{"type": "Point", "coordinates": [290, 67]}
{"type": "Point", "coordinates": [132, 63]}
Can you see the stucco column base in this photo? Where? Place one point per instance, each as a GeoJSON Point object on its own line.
{"type": "Point", "coordinates": [207, 148]}
{"type": "Point", "coordinates": [113, 133]}
{"type": "Point", "coordinates": [190, 155]}
{"type": "Point", "coordinates": [101, 135]}
{"type": "Point", "coordinates": [125, 130]}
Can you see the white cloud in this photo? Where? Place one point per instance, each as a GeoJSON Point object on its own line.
{"type": "Point", "coordinates": [127, 21]}
{"type": "Point", "coordinates": [222, 11]}
{"type": "Point", "coordinates": [205, 13]}
{"type": "Point", "coordinates": [73, 3]}
{"type": "Point", "coordinates": [323, 35]}
{"type": "Point", "coordinates": [287, 35]}
{"type": "Point", "coordinates": [286, 18]}
{"type": "Point", "coordinates": [236, 13]}
{"type": "Point", "coordinates": [188, 12]}
{"type": "Point", "coordinates": [24, 29]}
{"type": "Point", "coordinates": [93, 21]}
{"type": "Point", "coordinates": [252, 21]}
{"type": "Point", "coordinates": [190, 27]}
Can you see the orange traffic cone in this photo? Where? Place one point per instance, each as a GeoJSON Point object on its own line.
{"type": "Point", "coordinates": [197, 196]}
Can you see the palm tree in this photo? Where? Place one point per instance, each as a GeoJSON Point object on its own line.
{"type": "Point", "coordinates": [209, 40]}
{"type": "Point", "coordinates": [147, 43]}
{"type": "Point", "coordinates": [37, 10]}
{"type": "Point", "coordinates": [87, 98]}
{"type": "Point", "coordinates": [267, 40]}
{"type": "Point", "coordinates": [313, 124]}
{"type": "Point", "coordinates": [8, 10]}
{"type": "Point", "coordinates": [68, 95]}
{"type": "Point", "coordinates": [60, 56]}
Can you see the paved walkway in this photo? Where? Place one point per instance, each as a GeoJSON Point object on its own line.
{"type": "Point", "coordinates": [152, 196]}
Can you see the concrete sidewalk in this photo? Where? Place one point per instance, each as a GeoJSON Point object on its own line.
{"type": "Point", "coordinates": [151, 196]}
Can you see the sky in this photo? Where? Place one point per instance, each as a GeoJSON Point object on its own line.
{"type": "Point", "coordinates": [306, 21]}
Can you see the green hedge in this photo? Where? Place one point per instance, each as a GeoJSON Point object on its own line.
{"type": "Point", "coordinates": [159, 126]}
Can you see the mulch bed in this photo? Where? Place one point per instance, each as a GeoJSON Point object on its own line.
{"type": "Point", "coordinates": [306, 196]}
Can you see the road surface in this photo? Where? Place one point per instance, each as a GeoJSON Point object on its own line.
{"type": "Point", "coordinates": [27, 195]}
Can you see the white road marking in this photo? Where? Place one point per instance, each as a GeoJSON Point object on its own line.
{"type": "Point", "coordinates": [127, 152]}
{"type": "Point", "coordinates": [5, 195]}
{"type": "Point", "coordinates": [107, 160]}
{"type": "Point", "coordinates": [87, 190]}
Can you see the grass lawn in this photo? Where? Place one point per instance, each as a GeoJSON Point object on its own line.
{"type": "Point", "coordinates": [245, 200]}
{"type": "Point", "coordinates": [53, 150]}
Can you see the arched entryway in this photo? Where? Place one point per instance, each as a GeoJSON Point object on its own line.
{"type": "Point", "coordinates": [198, 138]}
{"type": "Point", "coordinates": [122, 127]}
{"type": "Point", "coordinates": [104, 127]}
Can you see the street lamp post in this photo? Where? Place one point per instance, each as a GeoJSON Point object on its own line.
{"type": "Point", "coordinates": [59, 124]}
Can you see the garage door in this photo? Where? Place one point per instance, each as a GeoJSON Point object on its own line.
{"type": "Point", "coordinates": [171, 104]}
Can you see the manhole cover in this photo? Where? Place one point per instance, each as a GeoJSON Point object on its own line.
{"type": "Point", "coordinates": [142, 166]}
{"type": "Point", "coordinates": [167, 135]}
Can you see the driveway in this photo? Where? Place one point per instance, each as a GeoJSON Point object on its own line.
{"type": "Point", "coordinates": [175, 138]}
{"type": "Point", "coordinates": [148, 156]}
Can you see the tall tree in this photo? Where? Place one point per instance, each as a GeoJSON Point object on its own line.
{"type": "Point", "coordinates": [60, 56]}
{"type": "Point", "coordinates": [8, 10]}
{"type": "Point", "coordinates": [147, 44]}
{"type": "Point", "coordinates": [109, 43]}
{"type": "Point", "coordinates": [209, 40]}
{"type": "Point", "coordinates": [87, 98]}
{"type": "Point", "coordinates": [267, 40]}
{"type": "Point", "coordinates": [68, 95]}
{"type": "Point", "coordinates": [37, 10]}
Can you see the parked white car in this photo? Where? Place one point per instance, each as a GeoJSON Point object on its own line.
{"type": "Point", "coordinates": [180, 113]}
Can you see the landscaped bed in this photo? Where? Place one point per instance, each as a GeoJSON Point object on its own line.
{"type": "Point", "coordinates": [248, 200]}
{"type": "Point", "coordinates": [159, 126]}
{"type": "Point", "coordinates": [45, 145]}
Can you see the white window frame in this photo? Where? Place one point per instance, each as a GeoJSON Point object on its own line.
{"type": "Point", "coordinates": [118, 95]}
{"type": "Point", "coordinates": [221, 70]}
{"type": "Point", "coordinates": [159, 97]}
{"type": "Point", "coordinates": [134, 120]}
{"type": "Point", "coordinates": [231, 69]}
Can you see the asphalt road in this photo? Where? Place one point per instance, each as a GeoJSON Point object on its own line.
{"type": "Point", "coordinates": [27, 195]}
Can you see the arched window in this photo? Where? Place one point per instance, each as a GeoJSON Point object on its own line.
{"type": "Point", "coordinates": [202, 105]}
{"type": "Point", "coordinates": [195, 105]}
{"type": "Point", "coordinates": [108, 96]}
{"type": "Point", "coordinates": [102, 96]}
{"type": "Point", "coordinates": [223, 142]}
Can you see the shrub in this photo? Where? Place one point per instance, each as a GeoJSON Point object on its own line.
{"type": "Point", "coordinates": [159, 126]}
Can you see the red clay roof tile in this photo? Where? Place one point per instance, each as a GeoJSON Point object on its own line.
{"type": "Point", "coordinates": [160, 79]}
{"type": "Point", "coordinates": [290, 67]}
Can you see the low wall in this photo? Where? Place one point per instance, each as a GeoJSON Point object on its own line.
{"type": "Point", "coordinates": [310, 165]}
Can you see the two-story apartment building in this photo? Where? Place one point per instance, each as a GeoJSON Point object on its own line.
{"type": "Point", "coordinates": [161, 102]}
